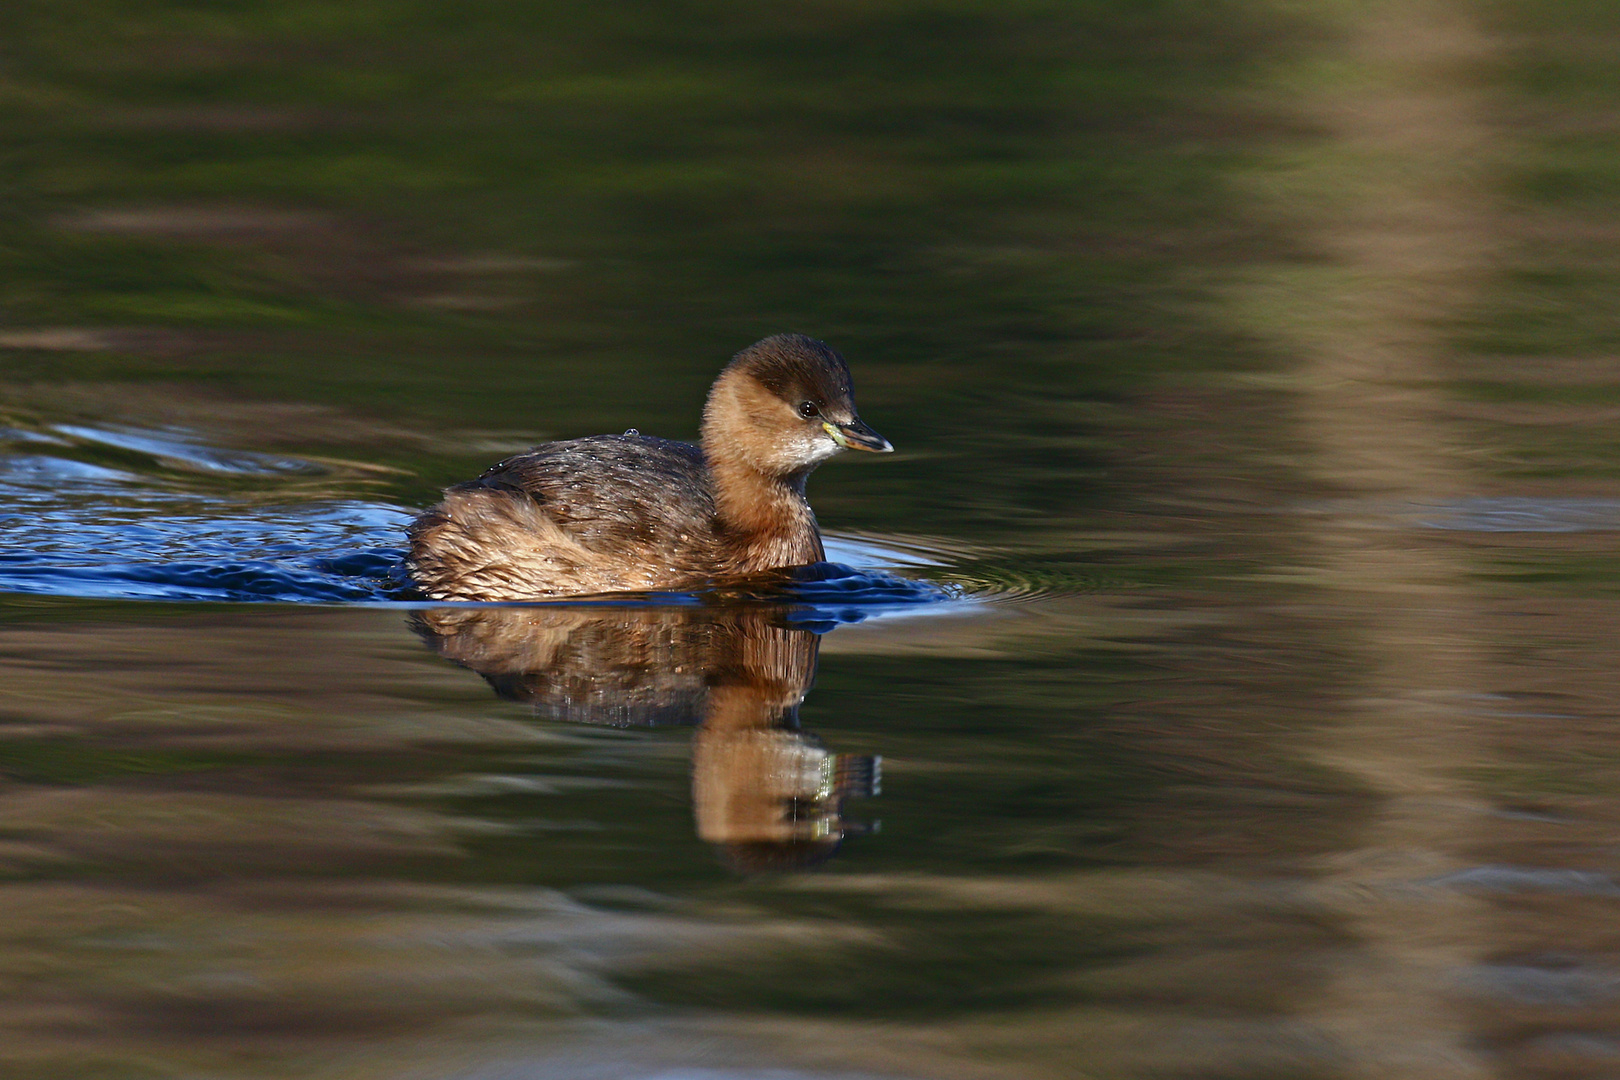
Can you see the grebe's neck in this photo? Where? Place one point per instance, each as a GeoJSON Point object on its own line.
{"type": "Point", "coordinates": [768, 515]}
{"type": "Point", "coordinates": [758, 487]}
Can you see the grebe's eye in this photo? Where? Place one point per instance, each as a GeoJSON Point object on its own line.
{"type": "Point", "coordinates": [808, 410]}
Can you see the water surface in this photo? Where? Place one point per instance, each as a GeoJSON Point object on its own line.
{"type": "Point", "coordinates": [1218, 682]}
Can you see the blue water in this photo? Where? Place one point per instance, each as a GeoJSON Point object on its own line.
{"type": "Point", "coordinates": [75, 528]}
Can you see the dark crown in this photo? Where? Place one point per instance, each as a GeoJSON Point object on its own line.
{"type": "Point", "coordinates": [798, 368]}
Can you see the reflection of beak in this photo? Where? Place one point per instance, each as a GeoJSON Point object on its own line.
{"type": "Point", "coordinates": [857, 436]}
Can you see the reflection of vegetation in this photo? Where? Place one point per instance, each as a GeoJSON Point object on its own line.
{"type": "Point", "coordinates": [1554, 572]}
{"type": "Point", "coordinates": [919, 970]}
{"type": "Point", "coordinates": [79, 761]}
{"type": "Point", "coordinates": [542, 218]}
{"type": "Point", "coordinates": [481, 218]}
{"type": "Point", "coordinates": [1545, 334]}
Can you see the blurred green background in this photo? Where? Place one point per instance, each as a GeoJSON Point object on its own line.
{"type": "Point", "coordinates": [491, 222]}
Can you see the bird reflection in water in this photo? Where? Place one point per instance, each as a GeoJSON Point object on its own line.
{"type": "Point", "coordinates": [767, 794]}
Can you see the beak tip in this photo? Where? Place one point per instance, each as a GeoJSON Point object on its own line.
{"type": "Point", "coordinates": [857, 436]}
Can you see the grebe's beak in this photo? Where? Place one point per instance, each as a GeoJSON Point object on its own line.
{"type": "Point", "coordinates": [857, 436]}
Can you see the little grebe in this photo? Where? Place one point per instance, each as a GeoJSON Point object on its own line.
{"type": "Point", "coordinates": [623, 513]}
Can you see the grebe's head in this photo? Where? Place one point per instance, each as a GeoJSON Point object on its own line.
{"type": "Point", "coordinates": [783, 406]}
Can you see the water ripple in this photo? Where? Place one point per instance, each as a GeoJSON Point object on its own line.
{"type": "Point", "coordinates": [321, 552]}
{"type": "Point", "coordinates": [179, 450]}
{"type": "Point", "coordinates": [1487, 514]}
{"type": "Point", "coordinates": [78, 528]}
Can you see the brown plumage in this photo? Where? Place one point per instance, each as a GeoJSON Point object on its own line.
{"type": "Point", "coordinates": [630, 513]}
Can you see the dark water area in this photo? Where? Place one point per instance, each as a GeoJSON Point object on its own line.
{"type": "Point", "coordinates": [1217, 682]}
